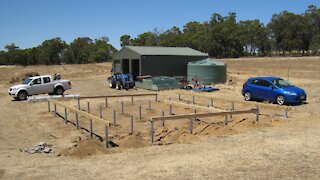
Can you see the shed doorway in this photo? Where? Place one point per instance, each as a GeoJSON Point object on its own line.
{"type": "Point", "coordinates": [125, 66]}
{"type": "Point", "coordinates": [135, 67]}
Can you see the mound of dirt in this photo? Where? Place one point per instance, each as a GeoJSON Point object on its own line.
{"type": "Point", "coordinates": [85, 148]}
{"type": "Point", "coordinates": [174, 135]}
{"type": "Point", "coordinates": [133, 141]}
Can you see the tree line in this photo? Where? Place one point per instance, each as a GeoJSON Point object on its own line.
{"type": "Point", "coordinates": [287, 33]}
{"type": "Point", "coordinates": [56, 51]}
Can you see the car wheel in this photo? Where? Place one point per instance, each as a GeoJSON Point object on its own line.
{"type": "Point", "coordinates": [247, 96]}
{"type": "Point", "coordinates": [22, 95]}
{"type": "Point", "coordinates": [58, 91]}
{"type": "Point", "coordinates": [280, 100]}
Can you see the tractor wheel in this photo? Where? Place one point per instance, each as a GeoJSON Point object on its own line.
{"type": "Point", "coordinates": [118, 86]}
{"type": "Point", "coordinates": [112, 83]}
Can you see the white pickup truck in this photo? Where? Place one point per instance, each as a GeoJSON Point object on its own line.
{"type": "Point", "coordinates": [39, 85]}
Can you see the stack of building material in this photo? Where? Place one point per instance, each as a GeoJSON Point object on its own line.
{"type": "Point", "coordinates": [158, 83]}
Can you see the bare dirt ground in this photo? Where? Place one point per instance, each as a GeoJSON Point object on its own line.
{"type": "Point", "coordinates": [273, 148]}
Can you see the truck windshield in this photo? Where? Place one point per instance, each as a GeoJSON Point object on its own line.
{"type": "Point", "coordinates": [26, 81]}
{"type": "Point", "coordinates": [282, 83]}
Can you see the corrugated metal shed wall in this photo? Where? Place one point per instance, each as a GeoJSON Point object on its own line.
{"type": "Point", "coordinates": [167, 65]}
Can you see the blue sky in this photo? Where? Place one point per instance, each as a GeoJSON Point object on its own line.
{"type": "Point", "coordinates": [27, 23]}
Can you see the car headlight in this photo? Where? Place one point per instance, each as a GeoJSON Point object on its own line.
{"type": "Point", "coordinates": [13, 89]}
{"type": "Point", "coordinates": [290, 93]}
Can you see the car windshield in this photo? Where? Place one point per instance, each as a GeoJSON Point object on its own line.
{"type": "Point", "coordinates": [282, 83]}
{"type": "Point", "coordinates": [26, 81]}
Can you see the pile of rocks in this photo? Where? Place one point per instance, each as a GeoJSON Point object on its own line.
{"type": "Point", "coordinates": [41, 147]}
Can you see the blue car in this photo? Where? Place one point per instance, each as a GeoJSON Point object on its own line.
{"type": "Point", "coordinates": [274, 89]}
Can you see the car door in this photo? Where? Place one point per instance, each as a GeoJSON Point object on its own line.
{"type": "Point", "coordinates": [265, 89]}
{"type": "Point", "coordinates": [35, 86]}
{"type": "Point", "coordinates": [254, 88]}
{"type": "Point", "coordinates": [47, 86]}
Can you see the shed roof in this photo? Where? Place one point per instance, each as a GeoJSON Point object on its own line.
{"type": "Point", "coordinates": [170, 51]}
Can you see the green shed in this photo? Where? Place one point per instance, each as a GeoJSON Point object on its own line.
{"type": "Point", "coordinates": [155, 61]}
{"type": "Point", "coordinates": [207, 71]}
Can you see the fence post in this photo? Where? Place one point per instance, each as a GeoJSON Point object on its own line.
{"type": "Point", "coordinates": [114, 118]}
{"type": "Point", "coordinates": [88, 105]}
{"type": "Point", "coordinates": [55, 110]}
{"type": "Point", "coordinates": [140, 115]}
{"type": "Point", "coordinates": [131, 127]}
{"type": "Point", "coordinates": [191, 125]}
{"type": "Point", "coordinates": [151, 131]}
{"type": "Point", "coordinates": [49, 106]}
{"type": "Point", "coordinates": [286, 113]}
{"type": "Point", "coordinates": [162, 118]}
{"type": "Point", "coordinates": [149, 104]}
{"type": "Point", "coordinates": [188, 103]}
{"type": "Point", "coordinates": [101, 111]}
{"type": "Point", "coordinates": [179, 97]}
{"type": "Point", "coordinates": [257, 114]}
{"type": "Point", "coordinates": [132, 100]}
{"type": "Point", "coordinates": [193, 100]}
{"type": "Point", "coordinates": [122, 108]}
{"type": "Point", "coordinates": [77, 121]}
{"type": "Point", "coordinates": [226, 119]}
{"type": "Point", "coordinates": [106, 101]}
{"type": "Point", "coordinates": [106, 133]}
{"type": "Point", "coordinates": [156, 97]}
{"type": "Point", "coordinates": [65, 115]}
{"type": "Point", "coordinates": [170, 109]}
{"type": "Point", "coordinates": [211, 102]}
{"type": "Point", "coordinates": [90, 128]}
{"type": "Point", "coordinates": [78, 103]}
{"type": "Point", "coordinates": [232, 109]}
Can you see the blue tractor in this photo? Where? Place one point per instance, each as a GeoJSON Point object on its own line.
{"type": "Point", "coordinates": [121, 81]}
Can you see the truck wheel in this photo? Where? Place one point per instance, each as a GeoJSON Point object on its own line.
{"type": "Point", "coordinates": [22, 95]}
{"type": "Point", "coordinates": [58, 91]}
{"type": "Point", "coordinates": [118, 86]}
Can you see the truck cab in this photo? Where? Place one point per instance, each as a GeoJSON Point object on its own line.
{"type": "Point", "coordinates": [41, 85]}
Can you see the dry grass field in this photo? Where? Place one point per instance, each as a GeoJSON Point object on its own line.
{"type": "Point", "coordinates": [273, 148]}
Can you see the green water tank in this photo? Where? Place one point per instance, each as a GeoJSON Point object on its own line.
{"type": "Point", "coordinates": [207, 71]}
